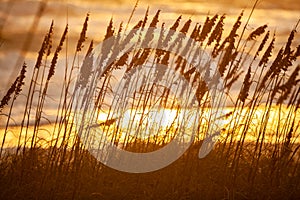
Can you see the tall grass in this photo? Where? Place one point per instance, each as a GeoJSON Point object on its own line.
{"type": "Point", "coordinates": [237, 168]}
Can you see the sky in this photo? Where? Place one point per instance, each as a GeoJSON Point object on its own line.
{"type": "Point", "coordinates": [18, 24]}
{"type": "Point", "coordinates": [17, 20]}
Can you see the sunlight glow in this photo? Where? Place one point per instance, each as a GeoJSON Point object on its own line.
{"type": "Point", "coordinates": [163, 122]}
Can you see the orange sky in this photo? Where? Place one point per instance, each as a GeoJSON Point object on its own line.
{"type": "Point", "coordinates": [17, 20]}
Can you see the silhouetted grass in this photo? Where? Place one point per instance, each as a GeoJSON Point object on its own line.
{"type": "Point", "coordinates": [235, 169]}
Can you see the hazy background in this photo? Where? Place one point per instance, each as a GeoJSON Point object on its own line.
{"type": "Point", "coordinates": [18, 26]}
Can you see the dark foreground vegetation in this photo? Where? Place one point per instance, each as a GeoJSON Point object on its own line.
{"type": "Point", "coordinates": [33, 176]}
